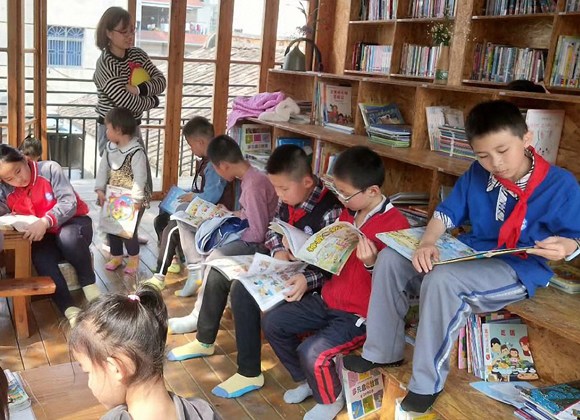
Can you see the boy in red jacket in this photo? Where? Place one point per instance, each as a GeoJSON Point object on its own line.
{"type": "Point", "coordinates": [337, 315]}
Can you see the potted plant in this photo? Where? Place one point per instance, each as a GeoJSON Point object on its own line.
{"type": "Point", "coordinates": [441, 33]}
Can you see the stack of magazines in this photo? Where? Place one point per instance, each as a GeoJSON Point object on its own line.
{"type": "Point", "coordinates": [18, 399]}
{"type": "Point", "coordinates": [384, 124]}
{"type": "Point", "coordinates": [560, 402]}
{"type": "Point", "coordinates": [453, 142]}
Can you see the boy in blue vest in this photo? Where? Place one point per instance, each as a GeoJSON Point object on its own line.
{"type": "Point", "coordinates": [304, 203]}
{"type": "Point", "coordinates": [513, 198]}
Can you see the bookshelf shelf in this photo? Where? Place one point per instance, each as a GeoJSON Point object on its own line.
{"type": "Point", "coordinates": [423, 20]}
{"type": "Point", "coordinates": [366, 73]}
{"type": "Point", "coordinates": [405, 76]}
{"type": "Point", "coordinates": [372, 22]}
{"type": "Point", "coordinates": [513, 17]}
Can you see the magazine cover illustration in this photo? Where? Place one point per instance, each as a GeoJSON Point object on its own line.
{"type": "Point", "coordinates": [118, 215]}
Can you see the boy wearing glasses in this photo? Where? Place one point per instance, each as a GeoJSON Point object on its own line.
{"type": "Point", "coordinates": [335, 316]}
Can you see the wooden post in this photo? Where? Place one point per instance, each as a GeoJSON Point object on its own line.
{"type": "Point", "coordinates": [222, 68]}
{"type": "Point", "coordinates": [15, 72]}
{"type": "Point", "coordinates": [40, 66]}
{"type": "Point", "coordinates": [132, 8]}
{"type": "Point", "coordinates": [269, 35]}
{"type": "Point", "coordinates": [325, 27]}
{"type": "Point", "coordinates": [174, 93]}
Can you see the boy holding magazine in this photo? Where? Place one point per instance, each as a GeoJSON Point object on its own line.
{"type": "Point", "coordinates": [304, 203]}
{"type": "Point", "coordinates": [335, 316]}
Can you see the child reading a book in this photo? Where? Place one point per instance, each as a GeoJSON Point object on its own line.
{"type": "Point", "coordinates": [258, 203]}
{"type": "Point", "coordinates": [513, 198]}
{"type": "Point", "coordinates": [207, 185]}
{"type": "Point", "coordinates": [119, 341]}
{"type": "Point", "coordinates": [124, 164]}
{"type": "Point", "coordinates": [31, 148]}
{"type": "Point", "coordinates": [336, 315]}
{"type": "Point", "coordinates": [304, 203]}
{"type": "Point", "coordinates": [64, 230]}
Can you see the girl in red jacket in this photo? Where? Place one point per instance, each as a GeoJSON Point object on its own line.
{"type": "Point", "coordinates": [63, 230]}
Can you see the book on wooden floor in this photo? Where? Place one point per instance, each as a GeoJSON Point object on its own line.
{"type": "Point", "coordinates": [263, 277]}
{"type": "Point", "coordinates": [363, 392]}
{"type": "Point", "coordinates": [566, 278]}
{"type": "Point", "coordinates": [451, 249]}
{"type": "Point", "coordinates": [171, 200]}
{"type": "Point", "coordinates": [19, 222]}
{"type": "Point", "coordinates": [554, 401]}
{"type": "Point", "coordinates": [198, 211]}
{"type": "Point", "coordinates": [329, 248]}
{"type": "Point", "coordinates": [505, 392]}
{"type": "Point", "coordinates": [17, 397]}
{"type": "Point", "coordinates": [118, 215]}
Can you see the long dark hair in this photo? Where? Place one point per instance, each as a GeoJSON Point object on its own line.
{"type": "Point", "coordinates": [134, 325]}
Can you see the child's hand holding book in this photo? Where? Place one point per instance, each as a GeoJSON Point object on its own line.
{"type": "Point", "coordinates": [555, 248]}
{"type": "Point", "coordinates": [424, 256]}
{"type": "Point", "coordinates": [366, 251]}
{"type": "Point", "coordinates": [297, 286]}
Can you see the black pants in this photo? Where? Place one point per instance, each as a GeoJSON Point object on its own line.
{"type": "Point", "coordinates": [168, 241]}
{"type": "Point", "coordinates": [70, 244]}
{"type": "Point", "coordinates": [132, 245]}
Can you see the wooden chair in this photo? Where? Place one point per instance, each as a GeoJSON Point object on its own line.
{"type": "Point", "coordinates": [20, 291]}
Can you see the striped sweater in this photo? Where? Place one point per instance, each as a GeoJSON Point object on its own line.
{"type": "Point", "coordinates": [112, 76]}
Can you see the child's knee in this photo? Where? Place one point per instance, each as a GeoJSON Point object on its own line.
{"type": "Point", "coordinates": [309, 354]}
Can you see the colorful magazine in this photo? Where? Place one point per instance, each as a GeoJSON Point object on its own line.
{"type": "Point", "coordinates": [363, 392]}
{"type": "Point", "coordinates": [171, 200]}
{"type": "Point", "coordinates": [329, 248]}
{"type": "Point", "coordinates": [118, 215]}
{"type": "Point", "coordinates": [451, 249]}
{"type": "Point", "coordinates": [17, 397]}
{"type": "Point", "coordinates": [506, 353]}
{"type": "Point", "coordinates": [337, 105]}
{"type": "Point", "coordinates": [381, 114]}
{"type": "Point", "coordinates": [198, 211]}
{"type": "Point", "coordinates": [505, 392]}
{"type": "Point", "coordinates": [558, 401]}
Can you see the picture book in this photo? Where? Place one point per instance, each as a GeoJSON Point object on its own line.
{"type": "Point", "coordinates": [505, 392]}
{"type": "Point", "coordinates": [17, 397]}
{"type": "Point", "coordinates": [451, 249]}
{"type": "Point", "coordinates": [171, 200]}
{"type": "Point", "coordinates": [546, 127]}
{"type": "Point", "coordinates": [337, 105]}
{"type": "Point", "coordinates": [199, 211]}
{"type": "Point", "coordinates": [19, 222]}
{"type": "Point", "coordinates": [381, 114]}
{"type": "Point", "coordinates": [328, 249]}
{"type": "Point", "coordinates": [559, 401]}
{"type": "Point", "coordinates": [118, 215]}
{"type": "Point", "coordinates": [363, 392]}
{"type": "Point", "coordinates": [506, 353]}
{"type": "Point", "coordinates": [566, 278]}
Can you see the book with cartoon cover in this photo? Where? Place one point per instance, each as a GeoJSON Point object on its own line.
{"type": "Point", "coordinates": [198, 211]}
{"type": "Point", "coordinates": [263, 276]}
{"type": "Point", "coordinates": [118, 215]}
{"type": "Point", "coordinates": [556, 401]}
{"type": "Point", "coordinates": [363, 392]}
{"type": "Point", "coordinates": [17, 397]}
{"type": "Point", "coordinates": [451, 249]}
{"type": "Point", "coordinates": [329, 248]}
{"type": "Point", "coordinates": [171, 200]}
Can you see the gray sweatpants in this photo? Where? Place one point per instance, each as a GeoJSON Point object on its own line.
{"type": "Point", "coordinates": [448, 295]}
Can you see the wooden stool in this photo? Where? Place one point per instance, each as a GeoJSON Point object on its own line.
{"type": "Point", "coordinates": [20, 291]}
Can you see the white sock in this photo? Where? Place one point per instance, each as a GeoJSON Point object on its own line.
{"type": "Point", "coordinates": [185, 324]}
{"type": "Point", "coordinates": [298, 394]}
{"type": "Point", "coordinates": [325, 411]}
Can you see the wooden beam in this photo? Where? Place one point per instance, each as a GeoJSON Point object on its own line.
{"type": "Point", "coordinates": [269, 35]}
{"type": "Point", "coordinates": [222, 68]}
{"type": "Point", "coordinates": [174, 93]}
{"type": "Point", "coordinates": [15, 17]}
{"type": "Point", "coordinates": [40, 75]}
{"type": "Point", "coordinates": [132, 8]}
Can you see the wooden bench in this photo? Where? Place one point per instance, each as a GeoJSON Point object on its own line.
{"type": "Point", "coordinates": [20, 291]}
{"type": "Point", "coordinates": [554, 332]}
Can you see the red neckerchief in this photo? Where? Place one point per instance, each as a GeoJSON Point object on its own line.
{"type": "Point", "coordinates": [510, 230]}
{"type": "Point", "coordinates": [294, 215]}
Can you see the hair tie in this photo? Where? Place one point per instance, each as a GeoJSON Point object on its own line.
{"type": "Point", "coordinates": [134, 297]}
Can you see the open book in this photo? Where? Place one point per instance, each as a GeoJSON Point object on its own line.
{"type": "Point", "coordinates": [329, 248]}
{"type": "Point", "coordinates": [451, 249]}
{"type": "Point", "coordinates": [19, 222]}
{"type": "Point", "coordinates": [263, 276]}
{"type": "Point", "coordinates": [198, 211]}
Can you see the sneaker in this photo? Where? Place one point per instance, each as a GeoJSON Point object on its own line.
{"type": "Point", "coordinates": [157, 282]}
{"type": "Point", "coordinates": [114, 263]}
{"type": "Point", "coordinates": [175, 266]}
{"type": "Point", "coordinates": [132, 265]}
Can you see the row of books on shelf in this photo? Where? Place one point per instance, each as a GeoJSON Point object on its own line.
{"type": "Point", "coordinates": [566, 68]}
{"type": "Point", "coordinates": [518, 7]}
{"type": "Point", "coordinates": [431, 8]}
{"type": "Point", "coordinates": [418, 60]}
{"type": "Point", "coordinates": [503, 63]}
{"type": "Point", "coordinates": [572, 6]}
{"type": "Point", "coordinates": [372, 58]}
{"type": "Point", "coordinates": [378, 9]}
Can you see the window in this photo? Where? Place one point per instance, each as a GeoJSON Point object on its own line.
{"type": "Point", "coordinates": [65, 46]}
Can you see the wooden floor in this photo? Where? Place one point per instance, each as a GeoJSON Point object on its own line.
{"type": "Point", "coordinates": [47, 344]}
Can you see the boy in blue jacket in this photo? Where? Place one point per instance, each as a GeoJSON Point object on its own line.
{"type": "Point", "coordinates": [513, 198]}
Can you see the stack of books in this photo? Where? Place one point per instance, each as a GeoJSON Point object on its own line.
{"type": "Point", "coordinates": [384, 124]}
{"type": "Point", "coordinates": [566, 278]}
{"type": "Point", "coordinates": [372, 58]}
{"type": "Point", "coordinates": [258, 159]}
{"type": "Point", "coordinates": [18, 399]}
{"type": "Point", "coordinates": [447, 133]}
{"type": "Point", "coordinates": [566, 67]}
{"type": "Point", "coordinates": [378, 9]}
{"type": "Point", "coordinates": [431, 8]}
{"type": "Point", "coordinates": [505, 63]}
{"type": "Point", "coordinates": [554, 402]}
{"type": "Point", "coordinates": [418, 60]}
{"type": "Point", "coordinates": [520, 7]}
{"type": "Point", "coordinates": [572, 6]}
{"type": "Point", "coordinates": [453, 142]}
{"type": "Point", "coordinates": [413, 205]}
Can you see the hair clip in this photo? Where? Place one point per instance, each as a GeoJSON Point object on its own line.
{"type": "Point", "coordinates": [134, 297]}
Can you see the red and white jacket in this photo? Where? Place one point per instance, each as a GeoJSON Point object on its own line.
{"type": "Point", "coordinates": [49, 194]}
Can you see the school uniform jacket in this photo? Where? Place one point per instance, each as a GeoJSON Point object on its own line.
{"type": "Point", "coordinates": [350, 290]}
{"type": "Point", "coordinates": [49, 194]}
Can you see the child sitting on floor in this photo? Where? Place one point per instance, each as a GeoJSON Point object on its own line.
{"type": "Point", "coordinates": [513, 198]}
{"type": "Point", "coordinates": [119, 340]}
{"type": "Point", "coordinates": [307, 205]}
{"type": "Point", "coordinates": [64, 230]}
{"type": "Point", "coordinates": [335, 317]}
{"type": "Point", "coordinates": [124, 164]}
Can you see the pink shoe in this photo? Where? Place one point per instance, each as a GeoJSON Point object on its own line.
{"type": "Point", "coordinates": [114, 263]}
{"type": "Point", "coordinates": [132, 265]}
